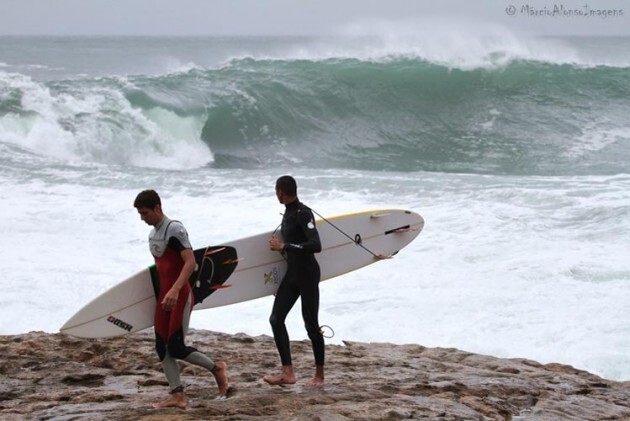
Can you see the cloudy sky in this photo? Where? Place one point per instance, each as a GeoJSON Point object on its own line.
{"type": "Point", "coordinates": [308, 17]}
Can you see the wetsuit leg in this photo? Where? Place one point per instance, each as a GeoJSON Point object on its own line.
{"type": "Point", "coordinates": [180, 314]}
{"type": "Point", "coordinates": [196, 357]}
{"type": "Point", "coordinates": [286, 297]}
{"type": "Point", "coordinates": [310, 309]}
{"type": "Point", "coordinates": [161, 326]}
{"type": "Point", "coordinates": [171, 371]}
{"type": "Point", "coordinates": [177, 349]}
{"type": "Point", "coordinates": [172, 328]}
{"type": "Point", "coordinates": [161, 323]}
{"type": "Point", "coordinates": [176, 343]}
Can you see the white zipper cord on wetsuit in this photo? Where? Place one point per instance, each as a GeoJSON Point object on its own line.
{"type": "Point", "coordinates": [277, 228]}
{"type": "Point", "coordinates": [274, 233]}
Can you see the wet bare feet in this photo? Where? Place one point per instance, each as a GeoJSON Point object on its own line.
{"type": "Point", "coordinates": [318, 378]}
{"type": "Point", "coordinates": [280, 379]}
{"type": "Point", "coordinates": [177, 400]}
{"type": "Point", "coordinates": [316, 382]}
{"type": "Point", "coordinates": [220, 375]}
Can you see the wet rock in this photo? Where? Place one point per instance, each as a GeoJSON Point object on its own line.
{"type": "Point", "coordinates": [56, 377]}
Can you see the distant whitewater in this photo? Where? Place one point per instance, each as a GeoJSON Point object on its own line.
{"type": "Point", "coordinates": [508, 111]}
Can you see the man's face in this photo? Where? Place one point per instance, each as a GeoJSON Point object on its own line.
{"type": "Point", "coordinates": [280, 196]}
{"type": "Point", "coordinates": [151, 216]}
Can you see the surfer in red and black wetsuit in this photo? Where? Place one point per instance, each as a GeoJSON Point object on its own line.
{"type": "Point", "coordinates": [175, 262]}
{"type": "Point", "coordinates": [300, 242]}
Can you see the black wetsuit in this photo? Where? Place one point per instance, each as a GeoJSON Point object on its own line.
{"type": "Point", "coordinates": [301, 241]}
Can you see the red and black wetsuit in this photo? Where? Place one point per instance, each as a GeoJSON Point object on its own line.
{"type": "Point", "coordinates": [167, 241]}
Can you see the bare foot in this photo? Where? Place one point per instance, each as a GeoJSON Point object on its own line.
{"type": "Point", "coordinates": [279, 379]}
{"type": "Point", "coordinates": [316, 382]}
{"type": "Point", "coordinates": [220, 375]}
{"type": "Point", "coordinates": [318, 378]}
{"type": "Point", "coordinates": [177, 400]}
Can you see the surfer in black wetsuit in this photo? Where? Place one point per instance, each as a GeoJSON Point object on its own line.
{"type": "Point", "coordinates": [174, 262]}
{"type": "Point", "coordinates": [300, 240]}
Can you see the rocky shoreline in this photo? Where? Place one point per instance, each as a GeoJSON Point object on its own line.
{"type": "Point", "coordinates": [57, 377]}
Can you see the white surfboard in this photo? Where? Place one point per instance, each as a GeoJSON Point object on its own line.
{"type": "Point", "coordinates": [246, 269]}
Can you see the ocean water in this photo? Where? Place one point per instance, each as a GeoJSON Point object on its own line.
{"type": "Point", "coordinates": [515, 150]}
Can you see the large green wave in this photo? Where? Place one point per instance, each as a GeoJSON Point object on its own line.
{"type": "Point", "coordinates": [407, 114]}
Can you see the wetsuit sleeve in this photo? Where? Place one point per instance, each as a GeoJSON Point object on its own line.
{"type": "Point", "coordinates": [307, 224]}
{"type": "Point", "coordinates": [176, 245]}
{"type": "Point", "coordinates": [177, 236]}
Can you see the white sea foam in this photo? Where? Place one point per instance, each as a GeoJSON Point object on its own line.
{"type": "Point", "coordinates": [99, 125]}
{"type": "Point", "coordinates": [449, 42]}
{"type": "Point", "coordinates": [597, 136]}
{"type": "Point", "coordinates": [513, 267]}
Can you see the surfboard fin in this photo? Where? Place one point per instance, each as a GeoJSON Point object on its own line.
{"type": "Point", "coordinates": [404, 228]}
{"type": "Point", "coordinates": [382, 257]}
{"type": "Point", "coordinates": [209, 252]}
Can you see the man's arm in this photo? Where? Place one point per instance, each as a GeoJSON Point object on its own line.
{"type": "Point", "coordinates": [307, 225]}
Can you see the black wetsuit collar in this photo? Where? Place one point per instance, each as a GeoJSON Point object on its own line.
{"type": "Point", "coordinates": [293, 205]}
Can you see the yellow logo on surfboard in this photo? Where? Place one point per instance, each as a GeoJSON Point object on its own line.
{"type": "Point", "coordinates": [272, 276]}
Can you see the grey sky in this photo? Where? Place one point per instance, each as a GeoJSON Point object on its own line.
{"type": "Point", "coordinates": [308, 17]}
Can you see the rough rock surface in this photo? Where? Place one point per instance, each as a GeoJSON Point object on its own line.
{"type": "Point", "coordinates": [56, 377]}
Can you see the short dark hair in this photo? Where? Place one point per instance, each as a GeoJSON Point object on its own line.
{"type": "Point", "coordinates": [287, 185]}
{"type": "Point", "coordinates": [147, 199]}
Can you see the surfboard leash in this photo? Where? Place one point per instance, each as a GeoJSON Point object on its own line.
{"type": "Point", "coordinates": [322, 330]}
{"type": "Point", "coordinates": [356, 240]}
